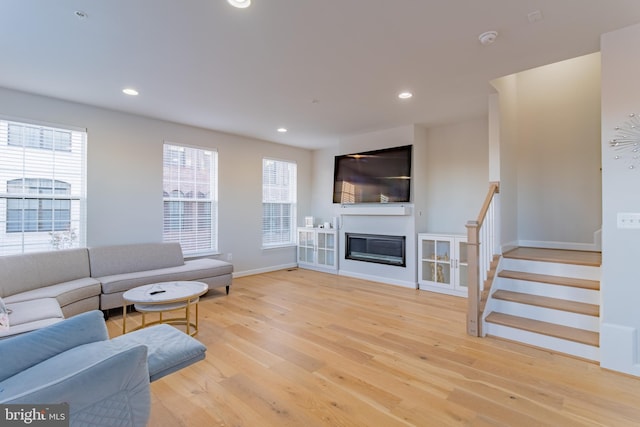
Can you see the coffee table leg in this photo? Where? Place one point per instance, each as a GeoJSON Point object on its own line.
{"type": "Point", "coordinates": [124, 319]}
{"type": "Point", "coordinates": [188, 316]}
{"type": "Point", "coordinates": [197, 327]}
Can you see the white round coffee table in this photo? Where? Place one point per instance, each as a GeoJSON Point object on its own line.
{"type": "Point", "coordinates": [165, 296]}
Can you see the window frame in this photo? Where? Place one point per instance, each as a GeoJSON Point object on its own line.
{"type": "Point", "coordinates": [268, 191]}
{"type": "Point", "coordinates": [43, 183]}
{"type": "Point", "coordinates": [183, 210]}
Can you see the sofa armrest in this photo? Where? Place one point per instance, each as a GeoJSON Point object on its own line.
{"type": "Point", "coordinates": [21, 352]}
{"type": "Point", "coordinates": [102, 383]}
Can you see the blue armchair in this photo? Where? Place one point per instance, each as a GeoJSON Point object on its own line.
{"type": "Point", "coordinates": [104, 381]}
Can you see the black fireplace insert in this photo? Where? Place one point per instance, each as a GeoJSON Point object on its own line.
{"type": "Point", "coordinates": [376, 248]}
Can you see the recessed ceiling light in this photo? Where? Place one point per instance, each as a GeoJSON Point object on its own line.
{"type": "Point", "coordinates": [282, 130]}
{"type": "Point", "coordinates": [405, 95]}
{"type": "Point", "coordinates": [129, 91]}
{"type": "Point", "coordinates": [240, 4]}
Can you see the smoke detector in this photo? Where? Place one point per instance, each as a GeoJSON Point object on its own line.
{"type": "Point", "coordinates": [488, 37]}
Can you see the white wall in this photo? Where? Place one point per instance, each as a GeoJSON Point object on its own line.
{"type": "Point", "coordinates": [322, 208]}
{"type": "Point", "coordinates": [508, 169]}
{"type": "Point", "coordinates": [124, 183]}
{"type": "Point", "coordinates": [559, 180]}
{"type": "Point", "coordinates": [394, 137]}
{"type": "Point", "coordinates": [550, 154]}
{"type": "Point", "coordinates": [457, 175]}
{"type": "Point", "coordinates": [620, 285]}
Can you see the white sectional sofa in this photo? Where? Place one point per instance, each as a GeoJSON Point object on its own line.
{"type": "Point", "coordinates": [43, 288]}
{"type": "Point", "coordinates": [122, 267]}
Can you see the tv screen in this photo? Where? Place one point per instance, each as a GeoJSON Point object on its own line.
{"type": "Point", "coordinates": [380, 176]}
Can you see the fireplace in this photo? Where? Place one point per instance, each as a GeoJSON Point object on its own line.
{"type": "Point", "coordinates": [376, 248]}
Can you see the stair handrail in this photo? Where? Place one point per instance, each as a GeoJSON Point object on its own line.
{"type": "Point", "coordinates": [482, 244]}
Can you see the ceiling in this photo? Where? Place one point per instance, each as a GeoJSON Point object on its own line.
{"type": "Point", "coordinates": [323, 69]}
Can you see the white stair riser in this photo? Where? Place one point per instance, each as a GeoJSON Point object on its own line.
{"type": "Point", "coordinates": [552, 268]}
{"type": "Point", "coordinates": [548, 290]}
{"type": "Point", "coordinates": [574, 320]}
{"type": "Point", "coordinates": [559, 345]}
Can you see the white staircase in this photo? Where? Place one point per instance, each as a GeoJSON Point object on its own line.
{"type": "Point", "coordinates": [549, 299]}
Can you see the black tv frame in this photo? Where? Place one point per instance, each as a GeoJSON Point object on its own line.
{"type": "Point", "coordinates": [369, 169]}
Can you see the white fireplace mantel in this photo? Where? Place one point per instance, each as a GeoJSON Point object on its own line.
{"type": "Point", "coordinates": [395, 210]}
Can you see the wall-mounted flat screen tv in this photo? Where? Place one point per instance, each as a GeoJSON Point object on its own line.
{"type": "Point", "coordinates": [379, 176]}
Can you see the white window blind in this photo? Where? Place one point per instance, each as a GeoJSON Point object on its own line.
{"type": "Point", "coordinates": [279, 197]}
{"type": "Point", "coordinates": [42, 187]}
{"type": "Point", "coordinates": [190, 194]}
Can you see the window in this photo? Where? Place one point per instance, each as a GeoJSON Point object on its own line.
{"type": "Point", "coordinates": [42, 187]}
{"type": "Point", "coordinates": [279, 197]}
{"type": "Point", "coordinates": [28, 212]}
{"type": "Point", "coordinates": [190, 194]}
{"type": "Point", "coordinates": [23, 135]}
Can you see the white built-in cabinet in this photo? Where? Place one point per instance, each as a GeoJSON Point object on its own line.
{"type": "Point", "coordinates": [442, 263]}
{"type": "Point", "coordinates": [318, 249]}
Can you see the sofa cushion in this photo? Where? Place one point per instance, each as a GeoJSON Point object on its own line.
{"type": "Point", "coordinates": [122, 259]}
{"type": "Point", "coordinates": [50, 341]}
{"type": "Point", "coordinates": [66, 293]}
{"type": "Point", "coordinates": [191, 270]}
{"type": "Point", "coordinates": [26, 272]}
{"type": "Point", "coordinates": [31, 315]}
{"type": "Point", "coordinates": [207, 267]}
{"type": "Point", "coordinates": [168, 348]}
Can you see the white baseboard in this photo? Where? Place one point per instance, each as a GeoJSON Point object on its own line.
{"type": "Point", "coordinates": [595, 246]}
{"type": "Point", "coordinates": [263, 270]}
{"type": "Point", "coordinates": [445, 291]}
{"type": "Point", "coordinates": [559, 245]}
{"type": "Point", "coordinates": [619, 345]}
{"type": "Point", "coordinates": [379, 279]}
{"type": "Point", "coordinates": [508, 246]}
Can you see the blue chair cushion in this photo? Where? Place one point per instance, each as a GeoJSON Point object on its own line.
{"type": "Point", "coordinates": [168, 349]}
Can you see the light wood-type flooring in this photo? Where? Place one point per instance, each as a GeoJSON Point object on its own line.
{"type": "Point", "coordinates": [302, 348]}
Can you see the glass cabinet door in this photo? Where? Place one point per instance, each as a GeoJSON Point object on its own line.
{"type": "Point", "coordinates": [442, 264]}
{"type": "Point", "coordinates": [326, 248]}
{"type": "Point", "coordinates": [462, 264]}
{"type": "Point", "coordinates": [306, 246]}
{"type": "Point", "coordinates": [318, 249]}
{"type": "Point", "coordinates": [436, 262]}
